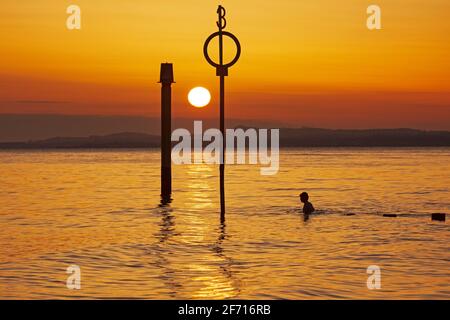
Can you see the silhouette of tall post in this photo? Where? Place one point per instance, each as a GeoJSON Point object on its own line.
{"type": "Point", "coordinates": [222, 72]}
{"type": "Point", "coordinates": [166, 80]}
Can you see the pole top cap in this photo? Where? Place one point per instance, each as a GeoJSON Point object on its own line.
{"type": "Point", "coordinates": [166, 75]}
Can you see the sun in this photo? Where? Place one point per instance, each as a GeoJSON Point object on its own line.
{"type": "Point", "coordinates": [199, 97]}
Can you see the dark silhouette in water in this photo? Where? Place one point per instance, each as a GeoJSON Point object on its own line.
{"type": "Point", "coordinates": [308, 208]}
{"type": "Point", "coordinates": [222, 72]}
{"type": "Point", "coordinates": [166, 80]}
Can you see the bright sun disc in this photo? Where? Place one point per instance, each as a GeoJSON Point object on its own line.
{"type": "Point", "coordinates": [199, 97]}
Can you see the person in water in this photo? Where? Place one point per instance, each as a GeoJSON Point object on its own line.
{"type": "Point", "coordinates": [308, 208]}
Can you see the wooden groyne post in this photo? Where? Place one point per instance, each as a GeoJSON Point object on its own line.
{"type": "Point", "coordinates": [166, 80]}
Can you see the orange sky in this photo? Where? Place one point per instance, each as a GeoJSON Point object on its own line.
{"type": "Point", "coordinates": [303, 63]}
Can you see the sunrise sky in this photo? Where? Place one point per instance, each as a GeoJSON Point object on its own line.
{"type": "Point", "coordinates": [304, 63]}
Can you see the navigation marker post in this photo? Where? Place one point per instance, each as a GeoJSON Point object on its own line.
{"type": "Point", "coordinates": [222, 72]}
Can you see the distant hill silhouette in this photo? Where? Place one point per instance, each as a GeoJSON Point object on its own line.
{"type": "Point", "coordinates": [302, 137]}
{"type": "Point", "coordinates": [312, 137]}
{"type": "Point", "coordinates": [24, 127]}
{"type": "Point", "coordinates": [119, 140]}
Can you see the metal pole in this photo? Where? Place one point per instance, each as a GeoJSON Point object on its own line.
{"type": "Point", "coordinates": [222, 164]}
{"type": "Point", "coordinates": [166, 79]}
{"type": "Point", "coordinates": [221, 25]}
{"type": "Point", "coordinates": [222, 72]}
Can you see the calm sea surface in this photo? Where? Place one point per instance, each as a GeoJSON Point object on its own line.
{"type": "Point", "coordinates": [99, 210]}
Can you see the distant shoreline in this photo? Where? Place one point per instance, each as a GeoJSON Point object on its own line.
{"type": "Point", "coordinates": [289, 138]}
{"type": "Point", "coordinates": [117, 149]}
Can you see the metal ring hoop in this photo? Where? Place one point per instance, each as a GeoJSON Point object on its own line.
{"type": "Point", "coordinates": [236, 41]}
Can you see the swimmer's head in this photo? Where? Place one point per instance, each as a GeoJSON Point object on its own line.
{"type": "Point", "coordinates": [304, 197]}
